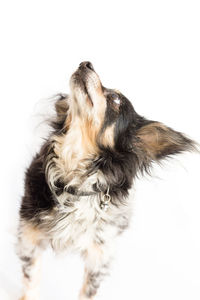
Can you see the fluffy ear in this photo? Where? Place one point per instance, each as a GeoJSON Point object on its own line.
{"type": "Point", "coordinates": [61, 109]}
{"type": "Point", "coordinates": [61, 105]}
{"type": "Point", "coordinates": [158, 141]}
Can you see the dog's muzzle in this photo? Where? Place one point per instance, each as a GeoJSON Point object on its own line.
{"type": "Point", "coordinates": [86, 82]}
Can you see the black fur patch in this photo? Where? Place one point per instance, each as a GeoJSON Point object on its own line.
{"type": "Point", "coordinates": [37, 197]}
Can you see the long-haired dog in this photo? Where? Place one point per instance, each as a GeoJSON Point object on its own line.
{"type": "Point", "coordinates": [77, 186]}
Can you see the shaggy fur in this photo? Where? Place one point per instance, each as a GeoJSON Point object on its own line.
{"type": "Point", "coordinates": [77, 186]}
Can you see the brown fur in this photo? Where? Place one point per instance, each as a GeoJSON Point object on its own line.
{"type": "Point", "coordinates": [159, 140]}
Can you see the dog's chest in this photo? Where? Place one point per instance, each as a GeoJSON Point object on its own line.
{"type": "Point", "coordinates": [84, 224]}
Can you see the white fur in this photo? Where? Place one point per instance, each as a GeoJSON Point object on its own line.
{"type": "Point", "coordinates": [77, 228]}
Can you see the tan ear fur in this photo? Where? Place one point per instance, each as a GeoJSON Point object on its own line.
{"type": "Point", "coordinates": [61, 106]}
{"type": "Point", "coordinates": [159, 140]}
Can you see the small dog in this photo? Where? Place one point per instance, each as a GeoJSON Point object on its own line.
{"type": "Point", "coordinates": [77, 186]}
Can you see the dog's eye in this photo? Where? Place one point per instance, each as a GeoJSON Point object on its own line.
{"type": "Point", "coordinates": [115, 98]}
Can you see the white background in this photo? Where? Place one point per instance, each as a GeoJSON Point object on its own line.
{"type": "Point", "coordinates": [150, 50]}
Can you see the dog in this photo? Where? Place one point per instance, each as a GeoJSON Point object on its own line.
{"type": "Point", "coordinates": [77, 186]}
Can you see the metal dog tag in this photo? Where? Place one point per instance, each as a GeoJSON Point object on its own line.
{"type": "Point", "coordinates": [105, 200]}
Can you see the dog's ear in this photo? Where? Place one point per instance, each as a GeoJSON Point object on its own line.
{"type": "Point", "coordinates": [61, 108]}
{"type": "Point", "coordinates": [159, 141]}
{"type": "Point", "coordinates": [61, 105]}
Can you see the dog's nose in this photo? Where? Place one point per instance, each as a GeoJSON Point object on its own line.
{"type": "Point", "coordinates": [87, 64]}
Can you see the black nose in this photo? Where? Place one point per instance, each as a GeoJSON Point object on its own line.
{"type": "Point", "coordinates": [87, 64]}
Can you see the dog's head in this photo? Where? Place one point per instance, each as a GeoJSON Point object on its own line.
{"type": "Point", "coordinates": [98, 131]}
{"type": "Point", "coordinates": [107, 113]}
{"type": "Point", "coordinates": [113, 123]}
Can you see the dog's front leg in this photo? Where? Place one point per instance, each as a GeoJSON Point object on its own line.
{"type": "Point", "coordinates": [29, 253]}
{"type": "Point", "coordinates": [97, 262]}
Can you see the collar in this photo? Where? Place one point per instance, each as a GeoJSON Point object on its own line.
{"type": "Point", "coordinates": [105, 197]}
{"type": "Point", "coordinates": [75, 192]}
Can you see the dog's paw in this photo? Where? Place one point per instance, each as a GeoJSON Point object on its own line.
{"type": "Point", "coordinates": [84, 297]}
{"type": "Point", "coordinates": [26, 297]}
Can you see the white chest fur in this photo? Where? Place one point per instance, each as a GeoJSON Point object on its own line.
{"type": "Point", "coordinates": [76, 228]}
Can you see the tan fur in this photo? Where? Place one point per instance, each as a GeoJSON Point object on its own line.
{"type": "Point", "coordinates": [156, 137]}
{"type": "Point", "coordinates": [30, 233]}
{"type": "Point", "coordinates": [107, 138]}
{"type": "Point", "coordinates": [79, 143]}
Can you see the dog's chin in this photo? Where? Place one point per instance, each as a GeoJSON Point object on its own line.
{"type": "Point", "coordinates": [79, 87]}
{"type": "Point", "coordinates": [87, 91]}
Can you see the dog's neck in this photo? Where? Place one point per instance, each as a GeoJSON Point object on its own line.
{"type": "Point", "coordinates": [76, 146]}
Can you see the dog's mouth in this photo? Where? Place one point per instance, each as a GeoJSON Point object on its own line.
{"type": "Point", "coordinates": [85, 83]}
